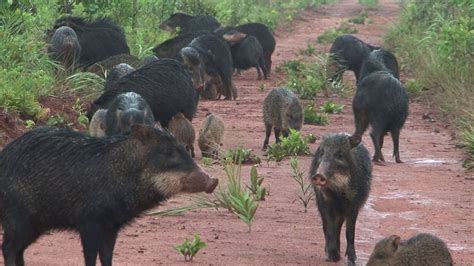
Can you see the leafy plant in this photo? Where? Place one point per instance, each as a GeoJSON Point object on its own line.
{"type": "Point", "coordinates": [330, 107]}
{"type": "Point", "coordinates": [360, 19]}
{"type": "Point", "coordinates": [81, 113]}
{"type": "Point", "coordinates": [312, 117]}
{"type": "Point", "coordinates": [330, 35]}
{"type": "Point", "coordinates": [309, 51]}
{"type": "Point", "coordinates": [369, 3]}
{"type": "Point", "coordinates": [240, 155]}
{"type": "Point", "coordinates": [292, 145]}
{"type": "Point", "coordinates": [30, 124]}
{"type": "Point", "coordinates": [413, 88]}
{"type": "Point", "coordinates": [58, 120]}
{"type": "Point", "coordinates": [305, 192]}
{"type": "Point", "coordinates": [256, 185]}
{"type": "Point", "coordinates": [311, 138]}
{"type": "Point", "coordinates": [206, 161]}
{"type": "Point", "coordinates": [190, 249]}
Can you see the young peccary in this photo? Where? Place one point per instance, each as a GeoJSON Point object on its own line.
{"type": "Point", "coordinates": [60, 179]}
{"type": "Point", "coordinates": [421, 249]}
{"type": "Point", "coordinates": [97, 124]}
{"type": "Point", "coordinates": [282, 110]}
{"type": "Point", "coordinates": [341, 175]}
{"type": "Point", "coordinates": [183, 130]}
{"type": "Point", "coordinates": [211, 135]}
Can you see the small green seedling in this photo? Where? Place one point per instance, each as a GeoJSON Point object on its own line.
{"type": "Point", "coordinates": [292, 145]}
{"type": "Point", "coordinates": [190, 249]}
{"type": "Point", "coordinates": [30, 124]}
{"type": "Point", "coordinates": [81, 113]}
{"type": "Point", "coordinates": [330, 107]}
{"type": "Point", "coordinates": [240, 155]}
{"type": "Point", "coordinates": [262, 87]}
{"type": "Point", "coordinates": [305, 193]}
{"type": "Point", "coordinates": [256, 185]}
{"type": "Point", "coordinates": [312, 117]}
{"type": "Point", "coordinates": [360, 19]}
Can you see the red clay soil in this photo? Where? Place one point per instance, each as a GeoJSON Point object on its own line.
{"type": "Point", "coordinates": [430, 192]}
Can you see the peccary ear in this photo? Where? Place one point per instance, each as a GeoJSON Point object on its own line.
{"type": "Point", "coordinates": [234, 37]}
{"type": "Point", "coordinates": [394, 241]}
{"type": "Point", "coordinates": [140, 132]}
{"type": "Point", "coordinates": [354, 141]}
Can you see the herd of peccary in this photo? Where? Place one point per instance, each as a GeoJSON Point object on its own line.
{"type": "Point", "coordinates": [140, 146]}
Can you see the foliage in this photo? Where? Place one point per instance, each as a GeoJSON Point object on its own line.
{"type": "Point", "coordinates": [330, 35]}
{"type": "Point", "coordinates": [369, 3]}
{"type": "Point", "coordinates": [360, 19]}
{"type": "Point", "coordinates": [412, 87]}
{"type": "Point", "coordinates": [311, 138]}
{"type": "Point", "coordinates": [309, 51]}
{"type": "Point", "coordinates": [305, 193]}
{"type": "Point", "coordinates": [306, 79]}
{"type": "Point", "coordinates": [190, 249]}
{"type": "Point", "coordinates": [330, 107]}
{"type": "Point", "coordinates": [256, 185]}
{"type": "Point", "coordinates": [240, 155]}
{"type": "Point", "coordinates": [292, 145]}
{"type": "Point", "coordinates": [206, 161]}
{"type": "Point", "coordinates": [59, 120]}
{"type": "Point", "coordinates": [312, 117]}
{"type": "Point", "coordinates": [81, 113]}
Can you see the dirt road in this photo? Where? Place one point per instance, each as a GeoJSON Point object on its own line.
{"type": "Point", "coordinates": [430, 192]}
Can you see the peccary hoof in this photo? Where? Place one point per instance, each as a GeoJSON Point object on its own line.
{"type": "Point", "coordinates": [333, 255]}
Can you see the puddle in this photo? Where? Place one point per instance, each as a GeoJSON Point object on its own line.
{"type": "Point", "coordinates": [429, 161]}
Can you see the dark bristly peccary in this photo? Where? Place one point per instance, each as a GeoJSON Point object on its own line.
{"type": "Point", "coordinates": [380, 60]}
{"type": "Point", "coordinates": [116, 73]}
{"type": "Point", "coordinates": [97, 124]}
{"type": "Point", "coordinates": [381, 102]}
{"type": "Point", "coordinates": [66, 180]}
{"type": "Point", "coordinates": [99, 39]}
{"type": "Point", "coordinates": [421, 249]}
{"type": "Point", "coordinates": [282, 110]}
{"type": "Point", "coordinates": [127, 109]}
{"type": "Point", "coordinates": [347, 53]}
{"type": "Point", "coordinates": [184, 132]}
{"type": "Point", "coordinates": [100, 68]}
{"type": "Point", "coordinates": [64, 47]}
{"type": "Point", "coordinates": [264, 37]}
{"type": "Point", "coordinates": [211, 136]}
{"type": "Point", "coordinates": [213, 53]}
{"type": "Point", "coordinates": [188, 23]}
{"type": "Point", "coordinates": [165, 85]}
{"type": "Point", "coordinates": [246, 53]}
{"type": "Point", "coordinates": [170, 48]}
{"type": "Point", "coordinates": [341, 175]}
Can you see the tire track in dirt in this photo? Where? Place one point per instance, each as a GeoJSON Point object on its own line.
{"type": "Point", "coordinates": [430, 192]}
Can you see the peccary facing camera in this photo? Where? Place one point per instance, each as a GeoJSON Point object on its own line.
{"type": "Point", "coordinates": [282, 110]}
{"type": "Point", "coordinates": [64, 47]}
{"type": "Point", "coordinates": [126, 110]}
{"type": "Point", "coordinates": [97, 124]}
{"type": "Point", "coordinates": [421, 249]}
{"type": "Point", "coordinates": [66, 180]}
{"type": "Point", "coordinates": [341, 175]}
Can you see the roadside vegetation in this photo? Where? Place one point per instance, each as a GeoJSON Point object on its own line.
{"type": "Point", "coordinates": [434, 40]}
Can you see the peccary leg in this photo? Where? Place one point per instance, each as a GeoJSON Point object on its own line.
{"type": "Point", "coordinates": [361, 123]}
{"type": "Point", "coordinates": [192, 151]}
{"type": "Point", "coordinates": [375, 135]}
{"type": "Point", "coordinates": [259, 73]}
{"type": "Point", "coordinates": [90, 239]}
{"type": "Point", "coordinates": [277, 134]}
{"type": "Point", "coordinates": [332, 224]}
{"type": "Point", "coordinates": [268, 63]}
{"type": "Point", "coordinates": [15, 241]}
{"type": "Point", "coordinates": [263, 66]}
{"type": "Point", "coordinates": [395, 138]}
{"type": "Point", "coordinates": [268, 132]}
{"type": "Point", "coordinates": [350, 235]}
{"type": "Point", "coordinates": [106, 248]}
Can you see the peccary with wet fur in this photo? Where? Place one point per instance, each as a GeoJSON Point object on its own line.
{"type": "Point", "coordinates": [341, 176]}
{"type": "Point", "coordinates": [188, 23]}
{"type": "Point", "coordinates": [66, 180]}
{"type": "Point", "coordinates": [211, 136]}
{"type": "Point", "coordinates": [379, 60]}
{"type": "Point", "coordinates": [106, 65]}
{"type": "Point", "coordinates": [184, 132]}
{"type": "Point", "coordinates": [97, 124]}
{"type": "Point", "coordinates": [64, 47]}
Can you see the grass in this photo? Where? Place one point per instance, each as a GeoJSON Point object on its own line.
{"type": "Point", "coordinates": [360, 19]}
{"type": "Point", "coordinates": [413, 87]}
{"type": "Point", "coordinates": [312, 117]}
{"type": "Point", "coordinates": [369, 3]}
{"type": "Point", "coordinates": [330, 107]}
{"type": "Point", "coordinates": [292, 145]}
{"type": "Point", "coordinates": [240, 155]}
{"type": "Point", "coordinates": [330, 35]}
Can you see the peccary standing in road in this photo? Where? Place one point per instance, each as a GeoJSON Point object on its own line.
{"type": "Point", "coordinates": [380, 60]}
{"type": "Point", "coordinates": [183, 130]}
{"type": "Point", "coordinates": [97, 124]}
{"type": "Point", "coordinates": [211, 136]}
{"type": "Point", "coordinates": [282, 110]}
{"type": "Point", "coordinates": [421, 249]}
{"type": "Point", "coordinates": [341, 175]}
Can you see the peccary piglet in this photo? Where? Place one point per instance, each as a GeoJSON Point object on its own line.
{"type": "Point", "coordinates": [381, 102]}
{"type": "Point", "coordinates": [183, 130]}
{"type": "Point", "coordinates": [282, 110]}
{"type": "Point", "coordinates": [211, 136]}
{"type": "Point", "coordinates": [126, 110]}
{"type": "Point", "coordinates": [97, 124]}
{"type": "Point", "coordinates": [65, 47]}
{"type": "Point", "coordinates": [341, 175]}
{"type": "Point", "coordinates": [66, 180]}
{"type": "Point", "coordinates": [421, 249]}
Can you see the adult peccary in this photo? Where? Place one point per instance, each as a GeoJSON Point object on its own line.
{"type": "Point", "coordinates": [347, 53]}
{"type": "Point", "coordinates": [116, 73]}
{"type": "Point", "coordinates": [99, 39]}
{"type": "Point", "coordinates": [188, 23]}
{"type": "Point", "coordinates": [105, 66]}
{"type": "Point", "coordinates": [211, 136]}
{"type": "Point", "coordinates": [57, 179]}
{"type": "Point", "coordinates": [211, 53]}
{"type": "Point", "coordinates": [127, 109]}
{"type": "Point", "coordinates": [421, 249]}
{"type": "Point", "coordinates": [64, 47]}
{"type": "Point", "coordinates": [282, 111]}
{"type": "Point", "coordinates": [264, 37]}
{"type": "Point", "coordinates": [379, 60]}
{"type": "Point", "coordinates": [97, 124]}
{"type": "Point", "coordinates": [341, 175]}
{"type": "Point", "coordinates": [184, 132]}
{"type": "Point", "coordinates": [381, 102]}
{"type": "Point", "coordinates": [171, 48]}
{"type": "Point", "coordinates": [165, 85]}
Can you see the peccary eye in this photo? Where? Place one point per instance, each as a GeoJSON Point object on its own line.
{"type": "Point", "coordinates": [339, 156]}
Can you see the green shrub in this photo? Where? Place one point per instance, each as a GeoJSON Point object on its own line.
{"type": "Point", "coordinates": [292, 145]}
{"type": "Point", "coordinates": [306, 79]}
{"type": "Point", "coordinates": [190, 249]}
{"type": "Point", "coordinates": [240, 155]}
{"type": "Point", "coordinates": [360, 19]}
{"type": "Point", "coordinates": [412, 87]}
{"type": "Point", "coordinates": [330, 107]}
{"type": "Point", "coordinates": [312, 117]}
{"type": "Point", "coordinates": [330, 35]}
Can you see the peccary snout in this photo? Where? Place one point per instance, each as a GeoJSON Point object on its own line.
{"type": "Point", "coordinates": [198, 181]}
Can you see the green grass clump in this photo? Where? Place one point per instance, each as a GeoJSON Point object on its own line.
{"type": "Point", "coordinates": [330, 35]}
{"type": "Point", "coordinates": [468, 141]}
{"type": "Point", "coordinates": [240, 155]}
{"type": "Point", "coordinates": [369, 3]}
{"type": "Point", "coordinates": [360, 19]}
{"type": "Point", "coordinates": [312, 117]}
{"type": "Point", "coordinates": [292, 145]}
{"type": "Point", "coordinates": [412, 87]}
{"type": "Point", "coordinates": [330, 107]}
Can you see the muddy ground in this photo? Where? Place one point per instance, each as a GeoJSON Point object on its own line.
{"type": "Point", "coordinates": [430, 192]}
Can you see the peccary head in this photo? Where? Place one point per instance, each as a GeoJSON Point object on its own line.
{"type": "Point", "coordinates": [64, 46]}
{"type": "Point", "coordinates": [169, 168]}
{"type": "Point", "coordinates": [385, 251]}
{"type": "Point", "coordinates": [333, 162]}
{"type": "Point", "coordinates": [292, 116]}
{"type": "Point", "coordinates": [118, 72]}
{"type": "Point", "coordinates": [194, 64]}
{"type": "Point", "coordinates": [174, 21]}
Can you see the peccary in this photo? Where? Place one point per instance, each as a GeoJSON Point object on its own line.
{"type": "Point", "coordinates": [106, 65]}
{"type": "Point", "coordinates": [170, 48]}
{"type": "Point", "coordinates": [211, 136]}
{"type": "Point", "coordinates": [165, 85]}
{"type": "Point", "coordinates": [188, 23]}
{"type": "Point", "coordinates": [421, 249]}
{"type": "Point", "coordinates": [347, 53]}
{"type": "Point", "coordinates": [127, 109]}
{"type": "Point", "coordinates": [99, 39]}
{"type": "Point", "coordinates": [116, 73]}
{"type": "Point", "coordinates": [341, 175]}
{"type": "Point", "coordinates": [282, 110]}
{"type": "Point", "coordinates": [97, 124]}
{"type": "Point", "coordinates": [381, 102]}
{"type": "Point", "coordinates": [66, 180]}
{"type": "Point", "coordinates": [379, 60]}
{"type": "Point", "coordinates": [64, 47]}
{"type": "Point", "coordinates": [183, 130]}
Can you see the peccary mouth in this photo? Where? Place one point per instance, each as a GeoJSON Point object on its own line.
{"type": "Point", "coordinates": [211, 185]}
